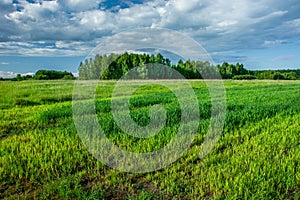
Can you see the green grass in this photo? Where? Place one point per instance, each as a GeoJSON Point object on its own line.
{"type": "Point", "coordinates": [257, 156]}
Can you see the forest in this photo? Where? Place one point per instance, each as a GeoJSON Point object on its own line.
{"type": "Point", "coordinates": [44, 75]}
{"type": "Point", "coordinates": [114, 66]}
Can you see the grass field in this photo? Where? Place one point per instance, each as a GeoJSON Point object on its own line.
{"type": "Point", "coordinates": [257, 156]}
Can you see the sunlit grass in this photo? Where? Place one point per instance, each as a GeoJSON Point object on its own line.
{"type": "Point", "coordinates": [257, 156]}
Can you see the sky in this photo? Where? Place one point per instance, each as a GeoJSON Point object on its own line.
{"type": "Point", "coordinates": [59, 34]}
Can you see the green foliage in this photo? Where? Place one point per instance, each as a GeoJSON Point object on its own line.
{"type": "Point", "coordinates": [278, 74]}
{"type": "Point", "coordinates": [228, 71]}
{"type": "Point", "coordinates": [19, 77]}
{"type": "Point", "coordinates": [291, 75]}
{"type": "Point", "coordinates": [68, 77]}
{"type": "Point", "coordinates": [113, 66]}
{"type": "Point", "coordinates": [257, 156]}
{"type": "Point", "coordinates": [243, 77]}
{"type": "Point", "coordinates": [52, 75]}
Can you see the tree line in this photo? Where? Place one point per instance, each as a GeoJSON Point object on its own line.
{"type": "Point", "coordinates": [44, 75]}
{"type": "Point", "coordinates": [53, 75]}
{"type": "Point", "coordinates": [114, 66]}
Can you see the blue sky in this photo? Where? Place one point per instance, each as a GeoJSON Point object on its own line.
{"type": "Point", "coordinates": [58, 34]}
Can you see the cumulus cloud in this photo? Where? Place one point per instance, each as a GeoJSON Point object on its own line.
{"type": "Point", "coordinates": [58, 48]}
{"type": "Point", "coordinates": [13, 74]}
{"type": "Point", "coordinates": [218, 25]}
{"type": "Point", "coordinates": [7, 74]}
{"type": "Point", "coordinates": [33, 11]}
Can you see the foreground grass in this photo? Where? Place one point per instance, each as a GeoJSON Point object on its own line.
{"type": "Point", "coordinates": [257, 157]}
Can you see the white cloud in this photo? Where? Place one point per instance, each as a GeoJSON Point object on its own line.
{"type": "Point", "coordinates": [7, 74]}
{"type": "Point", "coordinates": [33, 11]}
{"type": "Point", "coordinates": [136, 16]}
{"type": "Point", "coordinates": [95, 19]}
{"type": "Point", "coordinates": [227, 23]}
{"type": "Point", "coordinates": [218, 25]}
{"type": "Point", "coordinates": [182, 5]}
{"type": "Point", "coordinates": [293, 26]}
{"type": "Point", "coordinates": [295, 22]}
{"type": "Point", "coordinates": [59, 48]}
{"type": "Point", "coordinates": [274, 42]}
{"type": "Point", "coordinates": [13, 74]}
{"type": "Point", "coordinates": [27, 74]}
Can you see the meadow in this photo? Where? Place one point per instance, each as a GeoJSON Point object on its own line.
{"type": "Point", "coordinates": [256, 157]}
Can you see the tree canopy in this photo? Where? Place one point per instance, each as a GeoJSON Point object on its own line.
{"type": "Point", "coordinates": [114, 66]}
{"type": "Point", "coordinates": [52, 75]}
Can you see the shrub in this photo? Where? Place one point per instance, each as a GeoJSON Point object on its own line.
{"type": "Point", "coordinates": [278, 76]}
{"type": "Point", "coordinates": [244, 77]}
{"type": "Point", "coordinates": [68, 77]}
{"type": "Point", "coordinates": [52, 75]}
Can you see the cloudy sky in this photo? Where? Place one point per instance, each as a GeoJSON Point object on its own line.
{"type": "Point", "coordinates": [58, 34]}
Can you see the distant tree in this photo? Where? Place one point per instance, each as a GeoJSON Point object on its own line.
{"type": "Point", "coordinates": [228, 71]}
{"type": "Point", "coordinates": [286, 74]}
{"type": "Point", "coordinates": [68, 77]}
{"type": "Point", "coordinates": [51, 75]}
{"type": "Point", "coordinates": [41, 77]}
{"type": "Point", "coordinates": [115, 66]}
{"type": "Point", "coordinates": [160, 59]}
{"type": "Point", "coordinates": [240, 70]}
{"type": "Point", "coordinates": [27, 77]}
{"type": "Point", "coordinates": [244, 77]}
{"type": "Point", "coordinates": [278, 76]}
{"type": "Point", "coordinates": [82, 71]}
{"type": "Point", "coordinates": [291, 75]}
{"type": "Point", "coordinates": [19, 77]}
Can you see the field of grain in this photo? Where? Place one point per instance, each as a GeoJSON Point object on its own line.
{"type": "Point", "coordinates": [256, 157]}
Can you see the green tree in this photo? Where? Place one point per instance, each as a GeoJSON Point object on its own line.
{"type": "Point", "coordinates": [19, 77]}
{"type": "Point", "coordinates": [291, 75]}
{"type": "Point", "coordinates": [50, 74]}
{"type": "Point", "coordinates": [278, 76]}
